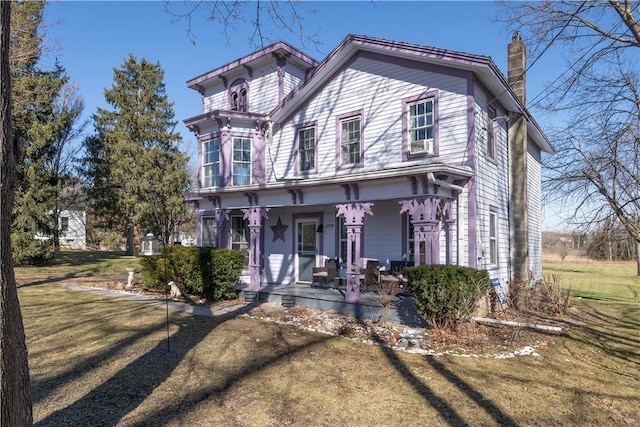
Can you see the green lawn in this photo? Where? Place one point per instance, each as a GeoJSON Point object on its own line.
{"type": "Point", "coordinates": [84, 263]}
{"type": "Point", "coordinates": [598, 280]}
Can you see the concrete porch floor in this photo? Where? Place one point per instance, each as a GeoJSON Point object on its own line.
{"type": "Point", "coordinates": [402, 310]}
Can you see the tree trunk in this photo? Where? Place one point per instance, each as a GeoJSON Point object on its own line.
{"type": "Point", "coordinates": [15, 389]}
{"type": "Point", "coordinates": [129, 248]}
{"type": "Point", "coordinates": [638, 258]}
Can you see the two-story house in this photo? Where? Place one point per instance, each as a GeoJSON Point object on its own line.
{"type": "Point", "coordinates": [383, 150]}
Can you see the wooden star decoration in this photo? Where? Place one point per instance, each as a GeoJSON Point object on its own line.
{"type": "Point", "coordinates": [278, 230]}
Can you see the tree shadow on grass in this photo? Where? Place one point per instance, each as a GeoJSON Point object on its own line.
{"type": "Point", "coordinates": [109, 402]}
{"type": "Point", "coordinates": [611, 329]}
{"type": "Point", "coordinates": [441, 405]}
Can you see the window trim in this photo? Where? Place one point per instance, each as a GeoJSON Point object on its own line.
{"type": "Point", "coordinates": [406, 102]}
{"type": "Point", "coordinates": [299, 128]}
{"type": "Point", "coordinates": [358, 114]}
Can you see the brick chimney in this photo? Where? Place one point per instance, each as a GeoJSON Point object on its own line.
{"type": "Point", "coordinates": [517, 139]}
{"type": "Point", "coordinates": [516, 65]}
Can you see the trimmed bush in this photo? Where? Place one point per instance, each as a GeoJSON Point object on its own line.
{"type": "Point", "coordinates": [209, 272]}
{"type": "Point", "coordinates": [446, 294]}
{"type": "Point", "coordinates": [152, 272]}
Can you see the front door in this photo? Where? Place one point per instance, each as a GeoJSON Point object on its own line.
{"type": "Point", "coordinates": [306, 249]}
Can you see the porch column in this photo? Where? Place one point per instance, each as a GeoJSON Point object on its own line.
{"type": "Point", "coordinates": [254, 216]}
{"type": "Point", "coordinates": [448, 216]}
{"type": "Point", "coordinates": [221, 216]}
{"type": "Point", "coordinates": [353, 214]}
{"type": "Point", "coordinates": [424, 217]}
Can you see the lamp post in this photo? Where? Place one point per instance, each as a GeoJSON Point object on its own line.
{"type": "Point", "coordinates": [149, 247]}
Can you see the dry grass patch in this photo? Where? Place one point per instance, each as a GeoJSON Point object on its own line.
{"type": "Point", "coordinates": [102, 361]}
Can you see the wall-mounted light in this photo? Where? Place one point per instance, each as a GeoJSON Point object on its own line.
{"type": "Point", "coordinates": [320, 228]}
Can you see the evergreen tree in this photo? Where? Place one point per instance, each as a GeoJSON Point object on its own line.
{"type": "Point", "coordinates": [137, 174]}
{"type": "Point", "coordinates": [34, 92]}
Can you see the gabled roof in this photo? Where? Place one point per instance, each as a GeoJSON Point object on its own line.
{"type": "Point", "coordinates": [255, 59]}
{"type": "Point", "coordinates": [482, 67]}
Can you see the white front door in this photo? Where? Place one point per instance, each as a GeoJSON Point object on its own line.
{"type": "Point", "coordinates": [306, 249]}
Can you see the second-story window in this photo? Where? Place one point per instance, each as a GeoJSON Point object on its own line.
{"type": "Point", "coordinates": [241, 163]}
{"type": "Point", "coordinates": [350, 140]}
{"type": "Point", "coordinates": [211, 163]}
{"type": "Point", "coordinates": [307, 149]}
{"type": "Point", "coordinates": [239, 95]}
{"type": "Point", "coordinates": [421, 126]}
{"type": "Point", "coordinates": [491, 137]}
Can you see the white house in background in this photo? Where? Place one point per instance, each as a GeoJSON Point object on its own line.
{"type": "Point", "coordinates": [72, 222]}
{"type": "Point", "coordinates": [384, 150]}
{"type": "Point", "coordinates": [72, 219]}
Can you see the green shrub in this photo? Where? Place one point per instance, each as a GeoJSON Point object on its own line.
{"type": "Point", "coordinates": [446, 294]}
{"type": "Point", "coordinates": [210, 272]}
{"type": "Point", "coordinates": [152, 272]}
{"type": "Point", "coordinates": [226, 267]}
{"type": "Point", "coordinates": [29, 251]}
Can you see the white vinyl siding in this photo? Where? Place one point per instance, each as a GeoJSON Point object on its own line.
{"type": "Point", "coordinates": [263, 89]}
{"type": "Point", "coordinates": [534, 212]}
{"type": "Point", "coordinates": [376, 88]}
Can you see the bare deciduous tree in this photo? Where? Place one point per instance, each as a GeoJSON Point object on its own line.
{"type": "Point", "coordinates": [287, 16]}
{"type": "Point", "coordinates": [596, 96]}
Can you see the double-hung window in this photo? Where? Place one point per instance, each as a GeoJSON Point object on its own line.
{"type": "Point", "coordinates": [240, 236]}
{"type": "Point", "coordinates": [208, 224]}
{"type": "Point", "coordinates": [211, 163]}
{"type": "Point", "coordinates": [307, 149]}
{"type": "Point", "coordinates": [64, 224]}
{"type": "Point", "coordinates": [493, 238]}
{"type": "Point", "coordinates": [350, 140]}
{"type": "Point", "coordinates": [491, 135]}
{"type": "Point", "coordinates": [420, 126]}
{"type": "Point", "coordinates": [241, 167]}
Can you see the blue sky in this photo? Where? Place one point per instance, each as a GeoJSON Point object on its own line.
{"type": "Point", "coordinates": [90, 39]}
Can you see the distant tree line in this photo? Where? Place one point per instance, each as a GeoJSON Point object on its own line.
{"type": "Point", "coordinates": [610, 241]}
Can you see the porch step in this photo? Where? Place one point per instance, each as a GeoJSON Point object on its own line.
{"type": "Point", "coordinates": [402, 311]}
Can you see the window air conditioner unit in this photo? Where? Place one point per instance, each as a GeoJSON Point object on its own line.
{"type": "Point", "coordinates": [424, 146]}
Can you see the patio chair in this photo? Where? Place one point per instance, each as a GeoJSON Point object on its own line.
{"type": "Point", "coordinates": [323, 276]}
{"type": "Point", "coordinates": [371, 275]}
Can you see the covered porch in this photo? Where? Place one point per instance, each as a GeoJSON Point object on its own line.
{"type": "Point", "coordinates": [402, 309]}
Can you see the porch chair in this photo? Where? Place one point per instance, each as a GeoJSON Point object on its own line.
{"type": "Point", "coordinates": [323, 276]}
{"type": "Point", "coordinates": [371, 275]}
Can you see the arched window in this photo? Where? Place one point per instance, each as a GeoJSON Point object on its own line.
{"type": "Point", "coordinates": [239, 95]}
